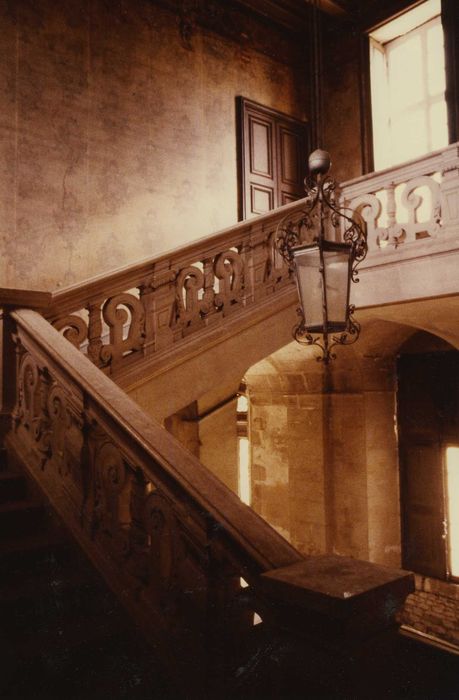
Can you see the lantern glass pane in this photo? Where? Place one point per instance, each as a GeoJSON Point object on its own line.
{"type": "Point", "coordinates": [336, 263]}
{"type": "Point", "coordinates": [310, 286]}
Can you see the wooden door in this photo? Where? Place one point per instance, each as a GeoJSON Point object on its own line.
{"type": "Point", "coordinates": [272, 154]}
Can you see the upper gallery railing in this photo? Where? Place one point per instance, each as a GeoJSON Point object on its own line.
{"type": "Point", "coordinates": [173, 542]}
{"type": "Point", "coordinates": [148, 307]}
{"type": "Point", "coordinates": [401, 206]}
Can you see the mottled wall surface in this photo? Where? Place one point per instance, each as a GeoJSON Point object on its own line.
{"type": "Point", "coordinates": [117, 141]}
{"type": "Point", "coordinates": [323, 448]}
{"type": "Point", "coordinates": [342, 114]}
{"type": "Point", "coordinates": [219, 444]}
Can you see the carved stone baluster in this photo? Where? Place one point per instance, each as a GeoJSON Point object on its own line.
{"type": "Point", "coordinates": [112, 507]}
{"type": "Point", "coordinates": [162, 305]}
{"type": "Point", "coordinates": [138, 536]}
{"type": "Point", "coordinates": [146, 296]}
{"type": "Point", "coordinates": [391, 205]}
{"type": "Point", "coordinates": [208, 297]}
{"type": "Point", "coordinates": [229, 269]}
{"type": "Point", "coordinates": [246, 252]}
{"type": "Point", "coordinates": [73, 328]}
{"type": "Point", "coordinates": [190, 281]}
{"type": "Point", "coordinates": [368, 207]}
{"type": "Point", "coordinates": [413, 201]}
{"type": "Point", "coordinates": [94, 332]}
{"type": "Point", "coordinates": [450, 190]}
{"type": "Point", "coordinates": [395, 234]}
{"type": "Point", "coordinates": [127, 330]}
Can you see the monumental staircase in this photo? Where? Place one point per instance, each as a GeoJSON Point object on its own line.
{"type": "Point", "coordinates": [134, 523]}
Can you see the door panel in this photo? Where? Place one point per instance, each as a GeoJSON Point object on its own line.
{"type": "Point", "coordinates": [272, 153]}
{"type": "Point", "coordinates": [261, 199]}
{"type": "Point", "coordinates": [261, 151]}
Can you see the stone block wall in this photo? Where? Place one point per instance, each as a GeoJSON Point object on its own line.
{"type": "Point", "coordinates": [434, 609]}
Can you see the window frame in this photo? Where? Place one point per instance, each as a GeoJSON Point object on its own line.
{"type": "Point", "coordinates": [380, 101]}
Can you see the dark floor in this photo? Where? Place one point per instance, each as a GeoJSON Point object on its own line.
{"type": "Point", "coordinates": [65, 636]}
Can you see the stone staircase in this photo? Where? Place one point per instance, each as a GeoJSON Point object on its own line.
{"type": "Point", "coordinates": [63, 633]}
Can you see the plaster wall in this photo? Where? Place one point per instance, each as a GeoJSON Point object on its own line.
{"type": "Point", "coordinates": [117, 136]}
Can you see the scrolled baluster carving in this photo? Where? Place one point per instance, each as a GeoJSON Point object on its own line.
{"type": "Point", "coordinates": [138, 536]}
{"type": "Point", "coordinates": [74, 328]}
{"type": "Point", "coordinates": [116, 318]}
{"type": "Point", "coordinates": [369, 208]}
{"type": "Point", "coordinates": [229, 270]}
{"type": "Point", "coordinates": [412, 201]}
{"type": "Point", "coordinates": [66, 435]}
{"type": "Point", "coordinates": [94, 332]}
{"type": "Point", "coordinates": [30, 414]}
{"type": "Point", "coordinates": [189, 282]}
{"type": "Point", "coordinates": [163, 546]}
{"type": "Point", "coordinates": [208, 298]}
{"type": "Point", "coordinates": [112, 498]}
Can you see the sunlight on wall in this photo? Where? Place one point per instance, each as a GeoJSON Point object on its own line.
{"type": "Point", "coordinates": [452, 475]}
{"type": "Point", "coordinates": [244, 471]}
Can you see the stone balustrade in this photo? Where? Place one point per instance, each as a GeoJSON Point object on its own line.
{"type": "Point", "coordinates": [149, 307]}
{"type": "Point", "coordinates": [132, 319]}
{"type": "Point", "coordinates": [409, 203]}
{"type": "Point", "coordinates": [411, 215]}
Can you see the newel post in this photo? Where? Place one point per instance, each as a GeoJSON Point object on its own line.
{"type": "Point", "coordinates": [335, 618]}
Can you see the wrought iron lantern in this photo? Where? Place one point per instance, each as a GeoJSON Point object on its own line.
{"type": "Point", "coordinates": [323, 246]}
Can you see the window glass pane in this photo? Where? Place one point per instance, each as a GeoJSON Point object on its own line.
{"type": "Point", "coordinates": [409, 135]}
{"type": "Point", "coordinates": [310, 286]}
{"type": "Point", "coordinates": [380, 106]}
{"type": "Point", "coordinates": [405, 73]}
{"type": "Point", "coordinates": [408, 91]}
{"type": "Point", "coordinates": [336, 275]}
{"type": "Point", "coordinates": [436, 79]}
{"type": "Point", "coordinates": [438, 125]}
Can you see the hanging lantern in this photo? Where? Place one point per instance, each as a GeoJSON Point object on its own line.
{"type": "Point", "coordinates": [324, 267]}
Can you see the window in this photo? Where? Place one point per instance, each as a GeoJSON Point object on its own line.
{"type": "Point", "coordinates": [408, 86]}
